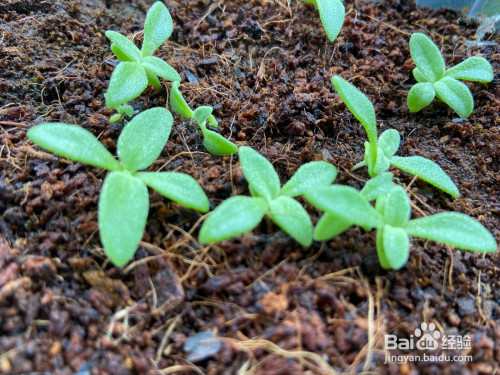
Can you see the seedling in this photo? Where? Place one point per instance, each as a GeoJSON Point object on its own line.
{"type": "Point", "coordinates": [240, 214]}
{"type": "Point", "coordinates": [138, 67]}
{"type": "Point", "coordinates": [332, 14]}
{"type": "Point", "coordinates": [434, 80]}
{"type": "Point", "coordinates": [124, 201]}
{"type": "Point", "coordinates": [213, 142]}
{"type": "Point", "coordinates": [380, 154]}
{"type": "Point", "coordinates": [122, 111]}
{"type": "Point", "coordinates": [391, 218]}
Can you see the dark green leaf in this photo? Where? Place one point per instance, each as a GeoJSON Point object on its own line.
{"type": "Point", "coordinates": [157, 28]}
{"type": "Point", "coordinates": [291, 217]}
{"type": "Point", "coordinates": [475, 68]}
{"type": "Point", "coordinates": [259, 173]}
{"type": "Point", "coordinates": [456, 94]}
{"type": "Point", "coordinates": [427, 56]}
{"type": "Point", "coordinates": [420, 96]}
{"type": "Point", "coordinates": [311, 175]}
{"type": "Point", "coordinates": [127, 82]}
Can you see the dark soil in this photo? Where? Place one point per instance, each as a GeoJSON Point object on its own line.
{"type": "Point", "coordinates": [265, 66]}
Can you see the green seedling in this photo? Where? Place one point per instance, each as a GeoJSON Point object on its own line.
{"type": "Point", "coordinates": [213, 142]}
{"type": "Point", "coordinates": [121, 112]}
{"type": "Point", "coordinates": [137, 67]}
{"type": "Point", "coordinates": [434, 80]}
{"type": "Point", "coordinates": [240, 214]}
{"type": "Point", "coordinates": [380, 153]}
{"type": "Point", "coordinates": [124, 201]}
{"type": "Point", "coordinates": [332, 14]}
{"type": "Point", "coordinates": [391, 218]}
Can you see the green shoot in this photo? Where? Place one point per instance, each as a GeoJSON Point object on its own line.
{"type": "Point", "coordinates": [240, 214]}
{"type": "Point", "coordinates": [124, 201]}
{"type": "Point", "coordinates": [434, 80]}
{"type": "Point", "coordinates": [332, 14]}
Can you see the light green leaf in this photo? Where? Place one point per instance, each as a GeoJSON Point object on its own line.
{"type": "Point", "coordinates": [115, 118]}
{"type": "Point", "coordinates": [212, 121]}
{"type": "Point", "coordinates": [152, 78]}
{"type": "Point", "coordinates": [345, 202]}
{"type": "Point", "coordinates": [382, 163]}
{"type": "Point", "coordinates": [397, 209]}
{"type": "Point", "coordinates": [332, 14]}
{"type": "Point", "coordinates": [235, 216]}
{"type": "Point", "coordinates": [382, 257]}
{"type": "Point", "coordinates": [420, 76]}
{"type": "Point", "coordinates": [216, 144]}
{"type": "Point", "coordinates": [456, 94]}
{"type": "Point", "coordinates": [127, 109]}
{"type": "Point", "coordinates": [259, 173]}
{"type": "Point", "coordinates": [177, 102]}
{"type": "Point", "coordinates": [475, 68]}
{"type": "Point", "coordinates": [389, 142]}
{"type": "Point", "coordinates": [160, 68]}
{"type": "Point", "coordinates": [329, 226]}
{"type": "Point", "coordinates": [179, 187]}
{"type": "Point", "coordinates": [201, 114]}
{"type": "Point", "coordinates": [127, 82]}
{"type": "Point", "coordinates": [157, 28]}
{"type": "Point", "coordinates": [292, 218]}
{"type": "Point", "coordinates": [311, 175]}
{"type": "Point", "coordinates": [370, 159]}
{"type": "Point", "coordinates": [420, 96]}
{"type": "Point", "coordinates": [378, 185]}
{"type": "Point", "coordinates": [123, 211]}
{"type": "Point", "coordinates": [454, 229]}
{"type": "Point", "coordinates": [428, 171]}
{"type": "Point", "coordinates": [427, 56]}
{"type": "Point", "coordinates": [73, 142]}
{"type": "Point", "coordinates": [142, 139]}
{"type": "Point", "coordinates": [124, 46]}
{"type": "Point", "coordinates": [396, 246]}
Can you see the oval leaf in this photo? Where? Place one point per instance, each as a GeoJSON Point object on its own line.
{"type": "Point", "coordinates": [120, 55]}
{"type": "Point", "coordinates": [216, 144]}
{"type": "Point", "coordinates": [420, 76]}
{"type": "Point", "coordinates": [179, 187]}
{"type": "Point", "coordinates": [332, 14]}
{"type": "Point", "coordinates": [396, 246]}
{"type": "Point", "coordinates": [397, 208]}
{"type": "Point", "coordinates": [127, 82]}
{"type": "Point", "coordinates": [235, 216]}
{"type": "Point", "coordinates": [122, 214]}
{"type": "Point", "coordinates": [311, 175]}
{"type": "Point", "coordinates": [427, 56]}
{"type": "Point", "coordinates": [157, 28]}
{"type": "Point", "coordinates": [259, 173]}
{"type": "Point", "coordinates": [382, 258]}
{"type": "Point", "coordinates": [178, 103]}
{"type": "Point", "coordinates": [143, 138]}
{"type": "Point", "coordinates": [292, 218]}
{"type": "Point", "coordinates": [124, 45]}
{"type": "Point", "coordinates": [73, 142]}
{"type": "Point", "coordinates": [160, 68]}
{"type": "Point", "coordinates": [329, 226]}
{"type": "Point", "coordinates": [456, 94]}
{"type": "Point", "coordinates": [201, 114]}
{"type": "Point", "coordinates": [475, 68]}
{"type": "Point", "coordinates": [454, 229]}
{"type": "Point", "coordinates": [420, 96]}
{"type": "Point", "coordinates": [389, 142]}
{"type": "Point", "coordinates": [376, 186]}
{"type": "Point", "coordinates": [428, 171]}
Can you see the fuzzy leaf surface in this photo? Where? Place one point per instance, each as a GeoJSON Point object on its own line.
{"type": "Point", "coordinates": [216, 144]}
{"type": "Point", "coordinates": [397, 209]}
{"type": "Point", "coordinates": [332, 14]}
{"type": "Point", "coordinates": [160, 68]}
{"type": "Point", "coordinates": [178, 103]}
{"type": "Point", "coordinates": [311, 175]}
{"type": "Point", "coordinates": [157, 28]}
{"type": "Point", "coordinates": [201, 114]}
{"type": "Point", "coordinates": [427, 56]}
{"type": "Point", "coordinates": [127, 82]}
{"type": "Point", "coordinates": [259, 173]}
{"type": "Point", "coordinates": [475, 68]}
{"type": "Point", "coordinates": [330, 225]}
{"type": "Point", "coordinates": [456, 94]}
{"type": "Point", "coordinates": [378, 185]}
{"type": "Point", "coordinates": [125, 46]}
{"type": "Point", "coordinates": [292, 218]}
{"type": "Point", "coordinates": [420, 96]}
{"type": "Point", "coordinates": [396, 246]}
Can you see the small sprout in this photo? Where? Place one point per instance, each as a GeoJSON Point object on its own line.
{"type": "Point", "coordinates": [124, 201]}
{"type": "Point", "coordinates": [345, 206]}
{"type": "Point", "coordinates": [434, 80]}
{"type": "Point", "coordinates": [137, 67]}
{"type": "Point", "coordinates": [380, 154]}
{"type": "Point", "coordinates": [213, 142]}
{"type": "Point", "coordinates": [122, 111]}
{"type": "Point", "coordinates": [332, 14]}
{"type": "Point", "coordinates": [240, 214]}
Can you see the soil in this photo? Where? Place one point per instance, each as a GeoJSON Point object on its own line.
{"type": "Point", "coordinates": [265, 67]}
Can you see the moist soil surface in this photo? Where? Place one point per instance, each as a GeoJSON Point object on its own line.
{"type": "Point", "coordinates": [278, 308]}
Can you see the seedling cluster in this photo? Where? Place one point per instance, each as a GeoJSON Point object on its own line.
{"type": "Point", "coordinates": [124, 203]}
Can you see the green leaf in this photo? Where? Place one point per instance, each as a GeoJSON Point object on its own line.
{"type": "Point", "coordinates": [152, 78]}
{"type": "Point", "coordinates": [259, 173]}
{"type": "Point", "coordinates": [73, 142]}
{"type": "Point", "coordinates": [127, 82]}
{"type": "Point", "coordinates": [143, 138]}
{"type": "Point", "coordinates": [428, 171]}
{"type": "Point", "coordinates": [332, 14]}
{"type": "Point", "coordinates": [378, 185]}
{"type": "Point", "coordinates": [420, 96]}
{"type": "Point", "coordinates": [389, 142]}
{"type": "Point", "coordinates": [216, 144]}
{"type": "Point", "coordinates": [212, 121]}
{"type": "Point", "coordinates": [235, 216]}
{"type": "Point", "coordinates": [396, 246]}
{"type": "Point", "coordinates": [420, 76]}
{"type": "Point", "coordinates": [123, 211]}
{"type": "Point", "coordinates": [359, 105]}
{"type": "Point", "coordinates": [292, 218]}
{"type": "Point", "coordinates": [127, 109]}
{"type": "Point", "coordinates": [115, 118]}
{"type": "Point", "coordinates": [475, 68]}
{"type": "Point", "coordinates": [160, 68]}
{"type": "Point", "coordinates": [382, 163]}
{"type": "Point", "coordinates": [397, 209]}
{"type": "Point", "coordinates": [124, 46]}
{"type": "Point", "coordinates": [382, 257]}
{"type": "Point", "coordinates": [311, 175]}
{"type": "Point", "coordinates": [179, 187]}
{"type": "Point", "coordinates": [345, 202]}
{"type": "Point", "coordinates": [456, 94]}
{"type": "Point", "coordinates": [427, 56]}
{"type": "Point", "coordinates": [177, 102]}
{"type": "Point", "coordinates": [329, 226]}
{"type": "Point", "coordinates": [201, 114]}
{"type": "Point", "coordinates": [370, 159]}
{"type": "Point", "coordinates": [455, 229]}
{"type": "Point", "coordinates": [157, 28]}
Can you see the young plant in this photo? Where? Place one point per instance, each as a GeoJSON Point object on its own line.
{"type": "Point", "coordinates": [380, 153]}
{"type": "Point", "coordinates": [240, 214]}
{"type": "Point", "coordinates": [124, 201]}
{"type": "Point", "coordinates": [213, 142]}
{"type": "Point", "coordinates": [434, 80]}
{"type": "Point", "coordinates": [122, 110]}
{"type": "Point", "coordinates": [391, 218]}
{"type": "Point", "coordinates": [137, 67]}
{"type": "Point", "coordinates": [332, 14]}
